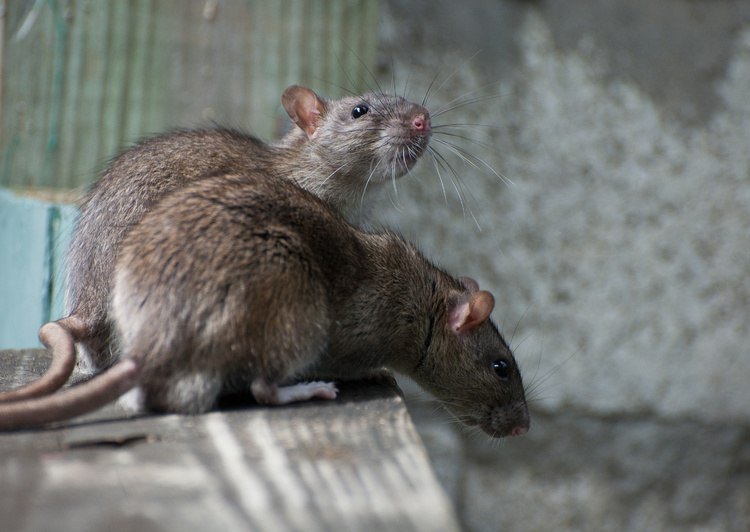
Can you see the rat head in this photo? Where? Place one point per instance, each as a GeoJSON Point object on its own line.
{"type": "Point", "coordinates": [470, 368]}
{"type": "Point", "coordinates": [365, 139]}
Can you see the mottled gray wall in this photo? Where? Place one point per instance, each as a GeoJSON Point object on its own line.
{"type": "Point", "coordinates": [619, 256]}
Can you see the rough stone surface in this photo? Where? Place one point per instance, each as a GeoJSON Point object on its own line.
{"type": "Point", "coordinates": [582, 472]}
{"type": "Point", "coordinates": [619, 255]}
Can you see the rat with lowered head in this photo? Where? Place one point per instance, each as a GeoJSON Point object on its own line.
{"type": "Point", "coordinates": [247, 282]}
{"type": "Point", "coordinates": [340, 150]}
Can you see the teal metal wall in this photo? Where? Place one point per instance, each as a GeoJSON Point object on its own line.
{"type": "Point", "coordinates": [34, 235]}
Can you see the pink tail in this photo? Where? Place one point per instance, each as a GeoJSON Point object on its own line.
{"type": "Point", "coordinates": [71, 402]}
{"type": "Point", "coordinates": [59, 337]}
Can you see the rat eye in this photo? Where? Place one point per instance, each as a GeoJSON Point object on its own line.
{"type": "Point", "coordinates": [360, 110]}
{"type": "Point", "coordinates": [501, 369]}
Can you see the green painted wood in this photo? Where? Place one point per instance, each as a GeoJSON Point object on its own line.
{"type": "Point", "coordinates": [82, 78]}
{"type": "Point", "coordinates": [34, 235]}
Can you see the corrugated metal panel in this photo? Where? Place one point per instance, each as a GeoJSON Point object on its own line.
{"type": "Point", "coordinates": [84, 77]}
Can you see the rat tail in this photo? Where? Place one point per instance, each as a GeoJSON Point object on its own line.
{"type": "Point", "coordinates": [71, 402]}
{"type": "Point", "coordinates": [59, 337]}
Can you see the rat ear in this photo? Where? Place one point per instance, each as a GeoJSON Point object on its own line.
{"type": "Point", "coordinates": [304, 107]}
{"type": "Point", "coordinates": [470, 284]}
{"type": "Point", "coordinates": [466, 315]}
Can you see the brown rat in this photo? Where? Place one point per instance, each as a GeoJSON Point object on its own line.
{"type": "Point", "coordinates": [340, 150]}
{"type": "Point", "coordinates": [246, 282]}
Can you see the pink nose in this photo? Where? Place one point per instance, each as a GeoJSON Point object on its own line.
{"type": "Point", "coordinates": [421, 122]}
{"type": "Point", "coordinates": [518, 431]}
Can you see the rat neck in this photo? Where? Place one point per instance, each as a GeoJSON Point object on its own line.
{"type": "Point", "coordinates": [318, 172]}
{"type": "Point", "coordinates": [404, 293]}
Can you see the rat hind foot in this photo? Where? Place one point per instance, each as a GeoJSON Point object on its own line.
{"type": "Point", "coordinates": [304, 391]}
{"type": "Point", "coordinates": [271, 394]}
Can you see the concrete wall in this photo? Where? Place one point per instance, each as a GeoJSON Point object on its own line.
{"type": "Point", "coordinates": [619, 256]}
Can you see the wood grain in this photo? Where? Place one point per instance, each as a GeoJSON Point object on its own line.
{"type": "Point", "coordinates": [352, 464]}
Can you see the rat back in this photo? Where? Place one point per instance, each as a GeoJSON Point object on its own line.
{"type": "Point", "coordinates": [339, 150]}
{"type": "Point", "coordinates": [134, 182]}
{"type": "Point", "coordinates": [226, 282]}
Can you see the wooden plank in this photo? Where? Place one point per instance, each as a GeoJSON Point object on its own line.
{"type": "Point", "coordinates": [352, 464]}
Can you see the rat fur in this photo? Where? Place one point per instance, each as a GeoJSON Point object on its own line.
{"type": "Point", "coordinates": [339, 150]}
{"type": "Point", "coordinates": [247, 282]}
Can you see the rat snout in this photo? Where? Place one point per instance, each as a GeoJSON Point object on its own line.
{"type": "Point", "coordinates": [523, 421]}
{"type": "Point", "coordinates": [420, 122]}
{"type": "Point", "coordinates": [508, 420]}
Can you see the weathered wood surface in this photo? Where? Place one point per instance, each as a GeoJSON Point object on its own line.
{"type": "Point", "coordinates": [353, 464]}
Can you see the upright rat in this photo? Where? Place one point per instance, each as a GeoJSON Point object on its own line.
{"type": "Point", "coordinates": [338, 148]}
{"type": "Point", "coordinates": [247, 282]}
{"type": "Point", "coordinates": [339, 151]}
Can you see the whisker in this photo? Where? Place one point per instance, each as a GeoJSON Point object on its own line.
{"type": "Point", "coordinates": [536, 384]}
{"type": "Point", "coordinates": [538, 367]}
{"type": "Point", "coordinates": [453, 181]}
{"type": "Point", "coordinates": [515, 348]}
{"type": "Point", "coordinates": [350, 92]}
{"type": "Point", "coordinates": [464, 124]}
{"type": "Point", "coordinates": [406, 85]}
{"type": "Point", "coordinates": [476, 142]}
{"type": "Point", "coordinates": [429, 88]}
{"type": "Point", "coordinates": [436, 163]}
{"type": "Point", "coordinates": [456, 182]}
{"type": "Point", "coordinates": [457, 103]}
{"type": "Point", "coordinates": [337, 170]}
{"type": "Point", "coordinates": [448, 78]}
{"type": "Point", "coordinates": [518, 323]}
{"type": "Point", "coordinates": [311, 175]}
{"type": "Point", "coordinates": [364, 189]}
{"type": "Point", "coordinates": [393, 75]}
{"type": "Point", "coordinates": [367, 69]}
{"type": "Point", "coordinates": [467, 139]}
{"type": "Point", "coordinates": [472, 160]}
{"type": "Point", "coordinates": [393, 177]}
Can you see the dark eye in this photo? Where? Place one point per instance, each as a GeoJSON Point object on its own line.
{"type": "Point", "coordinates": [360, 110]}
{"type": "Point", "coordinates": [500, 367]}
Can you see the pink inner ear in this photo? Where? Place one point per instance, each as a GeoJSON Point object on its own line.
{"type": "Point", "coordinates": [458, 315]}
{"type": "Point", "coordinates": [308, 118]}
{"type": "Point", "coordinates": [466, 316]}
{"type": "Point", "coordinates": [304, 107]}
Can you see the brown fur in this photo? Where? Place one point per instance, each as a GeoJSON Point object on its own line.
{"type": "Point", "coordinates": [247, 282]}
{"type": "Point", "coordinates": [330, 153]}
